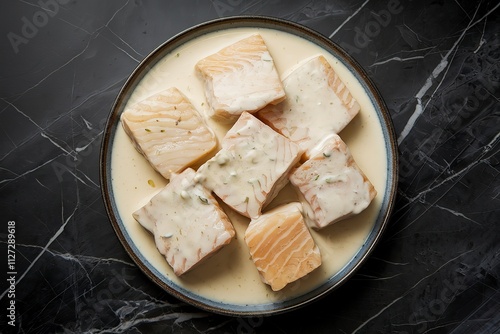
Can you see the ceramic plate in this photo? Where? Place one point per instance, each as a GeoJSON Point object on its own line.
{"type": "Point", "coordinates": [228, 283]}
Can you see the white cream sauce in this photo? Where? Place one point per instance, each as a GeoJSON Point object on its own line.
{"type": "Point", "coordinates": [247, 172]}
{"type": "Point", "coordinates": [245, 84]}
{"type": "Point", "coordinates": [332, 188]}
{"type": "Point", "coordinates": [305, 86]}
{"type": "Point", "coordinates": [182, 207]}
{"type": "Point", "coordinates": [230, 276]}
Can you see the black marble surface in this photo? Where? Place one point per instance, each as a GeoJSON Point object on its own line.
{"type": "Point", "coordinates": [437, 267]}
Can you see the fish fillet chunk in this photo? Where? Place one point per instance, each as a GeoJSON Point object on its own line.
{"type": "Point", "coordinates": [331, 185]}
{"type": "Point", "coordinates": [188, 224]}
{"type": "Point", "coordinates": [281, 246]}
{"type": "Point", "coordinates": [240, 77]}
{"type": "Point", "coordinates": [252, 166]}
{"type": "Point", "coordinates": [168, 131]}
{"type": "Point", "coordinates": [318, 104]}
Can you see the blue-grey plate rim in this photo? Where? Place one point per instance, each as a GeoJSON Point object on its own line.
{"type": "Point", "coordinates": [272, 307]}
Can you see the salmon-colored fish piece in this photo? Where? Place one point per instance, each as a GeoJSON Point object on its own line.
{"type": "Point", "coordinates": [168, 131]}
{"type": "Point", "coordinates": [331, 185]}
{"type": "Point", "coordinates": [252, 166]}
{"type": "Point", "coordinates": [318, 104]}
{"type": "Point", "coordinates": [188, 224]}
{"type": "Point", "coordinates": [281, 246]}
{"type": "Point", "coordinates": [240, 77]}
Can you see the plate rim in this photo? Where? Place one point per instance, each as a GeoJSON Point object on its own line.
{"type": "Point", "coordinates": [381, 109]}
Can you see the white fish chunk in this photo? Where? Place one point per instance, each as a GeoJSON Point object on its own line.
{"type": "Point", "coordinates": [331, 185]}
{"type": "Point", "coordinates": [252, 166]}
{"type": "Point", "coordinates": [188, 224]}
{"type": "Point", "coordinates": [281, 246]}
{"type": "Point", "coordinates": [318, 104]}
{"type": "Point", "coordinates": [168, 131]}
{"type": "Point", "coordinates": [240, 77]}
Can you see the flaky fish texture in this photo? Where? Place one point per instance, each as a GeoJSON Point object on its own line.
{"type": "Point", "coordinates": [318, 104]}
{"type": "Point", "coordinates": [188, 224]}
{"type": "Point", "coordinates": [168, 131]}
{"type": "Point", "coordinates": [331, 185]}
{"type": "Point", "coordinates": [240, 77]}
{"type": "Point", "coordinates": [252, 166]}
{"type": "Point", "coordinates": [281, 246]}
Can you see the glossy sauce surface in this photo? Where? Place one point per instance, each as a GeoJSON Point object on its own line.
{"type": "Point", "coordinates": [312, 110]}
{"type": "Point", "coordinates": [252, 166]}
{"type": "Point", "coordinates": [230, 276]}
